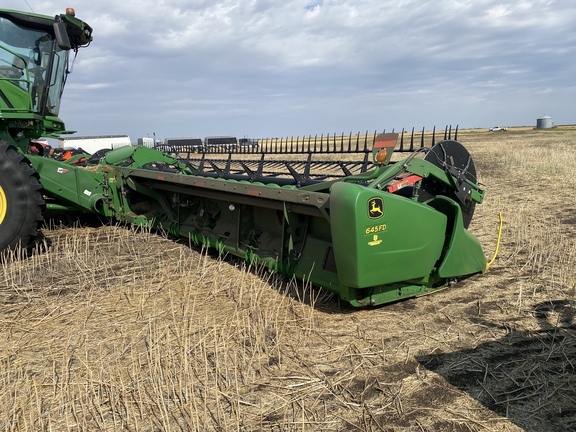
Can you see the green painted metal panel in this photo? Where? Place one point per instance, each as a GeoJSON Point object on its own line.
{"type": "Point", "coordinates": [464, 254]}
{"type": "Point", "coordinates": [78, 187]}
{"type": "Point", "coordinates": [380, 238]}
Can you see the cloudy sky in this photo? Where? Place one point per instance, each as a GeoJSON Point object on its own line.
{"type": "Point", "coordinates": [263, 68]}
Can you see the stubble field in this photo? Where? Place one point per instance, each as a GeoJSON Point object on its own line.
{"type": "Point", "coordinates": [112, 328]}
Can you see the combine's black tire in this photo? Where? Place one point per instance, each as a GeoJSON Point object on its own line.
{"type": "Point", "coordinates": [21, 202]}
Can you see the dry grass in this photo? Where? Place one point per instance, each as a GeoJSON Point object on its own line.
{"type": "Point", "coordinates": [113, 328]}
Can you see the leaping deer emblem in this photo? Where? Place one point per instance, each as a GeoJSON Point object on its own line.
{"type": "Point", "coordinates": [375, 206]}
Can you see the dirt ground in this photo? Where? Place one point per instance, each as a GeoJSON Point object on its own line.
{"type": "Point", "coordinates": [115, 328]}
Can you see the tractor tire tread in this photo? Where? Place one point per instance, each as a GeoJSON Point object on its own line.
{"type": "Point", "coordinates": [23, 177]}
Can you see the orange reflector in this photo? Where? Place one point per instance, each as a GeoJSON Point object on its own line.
{"type": "Point", "coordinates": [384, 147]}
{"type": "Point", "coordinates": [382, 155]}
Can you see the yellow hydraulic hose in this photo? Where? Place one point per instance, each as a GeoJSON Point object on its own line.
{"type": "Point", "coordinates": [497, 242]}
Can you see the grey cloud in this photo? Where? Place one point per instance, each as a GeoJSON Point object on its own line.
{"type": "Point", "coordinates": [264, 67]}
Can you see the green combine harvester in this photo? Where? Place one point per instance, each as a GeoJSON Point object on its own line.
{"type": "Point", "coordinates": [372, 231]}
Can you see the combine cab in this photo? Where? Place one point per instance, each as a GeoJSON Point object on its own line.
{"type": "Point", "coordinates": [371, 229]}
{"type": "Point", "coordinates": [34, 52]}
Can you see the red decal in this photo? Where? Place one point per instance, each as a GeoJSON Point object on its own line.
{"type": "Point", "coordinates": [387, 140]}
{"type": "Point", "coordinates": [408, 181]}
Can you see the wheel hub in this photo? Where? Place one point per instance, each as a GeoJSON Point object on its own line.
{"type": "Point", "coordinates": [3, 205]}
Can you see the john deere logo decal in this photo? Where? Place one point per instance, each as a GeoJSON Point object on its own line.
{"type": "Point", "coordinates": [375, 208]}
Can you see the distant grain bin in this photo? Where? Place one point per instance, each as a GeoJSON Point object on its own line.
{"type": "Point", "coordinates": [544, 122]}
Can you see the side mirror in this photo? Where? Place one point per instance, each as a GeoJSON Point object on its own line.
{"type": "Point", "coordinates": [62, 35]}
